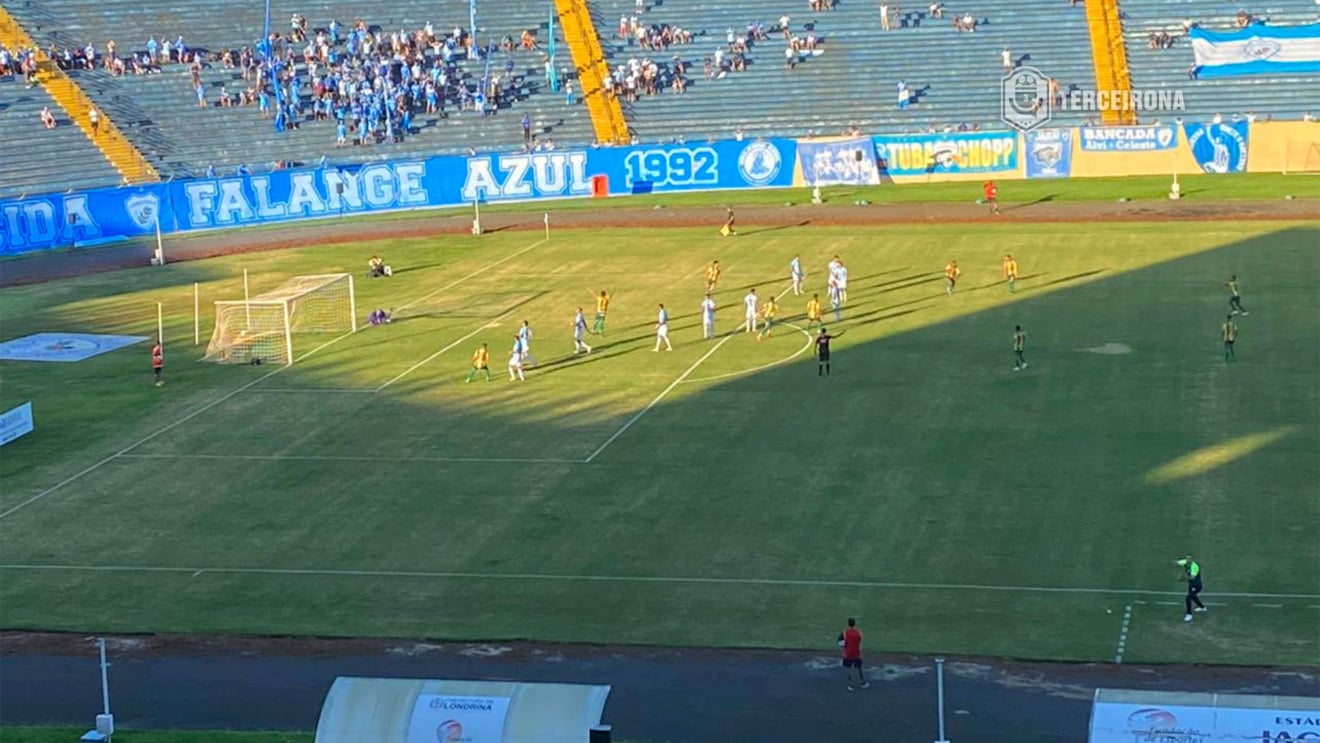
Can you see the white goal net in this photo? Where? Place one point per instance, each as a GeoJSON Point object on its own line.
{"type": "Point", "coordinates": [262, 327]}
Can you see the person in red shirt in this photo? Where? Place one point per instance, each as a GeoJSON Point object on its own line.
{"type": "Point", "coordinates": [158, 363]}
{"type": "Point", "coordinates": [850, 639]}
{"type": "Point", "coordinates": [991, 191]}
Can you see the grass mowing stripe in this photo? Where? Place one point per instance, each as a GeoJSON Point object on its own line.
{"type": "Point", "coordinates": [645, 579]}
{"type": "Point", "coordinates": [658, 398]}
{"type": "Point", "coordinates": [78, 475]}
{"type": "Point", "coordinates": [472, 275]}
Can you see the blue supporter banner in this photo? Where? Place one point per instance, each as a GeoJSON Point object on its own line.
{"type": "Point", "coordinates": [962, 152]}
{"type": "Point", "coordinates": [1049, 153]}
{"type": "Point", "coordinates": [838, 162]}
{"type": "Point", "coordinates": [1219, 148]}
{"type": "Point", "coordinates": [1258, 49]}
{"type": "Point", "coordinates": [57, 220]}
{"type": "Point", "coordinates": [1128, 138]}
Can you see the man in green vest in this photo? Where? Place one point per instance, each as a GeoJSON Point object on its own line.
{"type": "Point", "coordinates": [1192, 569]}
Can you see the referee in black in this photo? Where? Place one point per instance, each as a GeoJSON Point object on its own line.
{"type": "Point", "coordinates": [823, 339]}
{"type": "Point", "coordinates": [1192, 569]}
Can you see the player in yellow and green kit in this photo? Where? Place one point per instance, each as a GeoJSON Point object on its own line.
{"type": "Point", "coordinates": [813, 311]}
{"type": "Point", "coordinates": [768, 311]}
{"type": "Point", "coordinates": [480, 362]}
{"type": "Point", "coordinates": [602, 305]}
{"type": "Point", "coordinates": [951, 274]}
{"type": "Point", "coordinates": [1230, 338]}
{"type": "Point", "coordinates": [1011, 272]}
{"type": "Point", "coordinates": [1019, 348]}
{"type": "Point", "coordinates": [1234, 297]}
{"type": "Point", "coordinates": [712, 276]}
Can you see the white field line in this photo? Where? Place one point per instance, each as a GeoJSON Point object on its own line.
{"type": "Point", "coordinates": [681, 378]}
{"type": "Point", "coordinates": [351, 458]}
{"type": "Point", "coordinates": [657, 399]}
{"type": "Point", "coordinates": [430, 358]}
{"type": "Point", "coordinates": [472, 275]}
{"type": "Point", "coordinates": [317, 390]}
{"type": "Point", "coordinates": [1123, 634]}
{"type": "Point", "coordinates": [533, 577]}
{"type": "Point", "coordinates": [78, 475]}
{"type": "Point", "coordinates": [762, 367]}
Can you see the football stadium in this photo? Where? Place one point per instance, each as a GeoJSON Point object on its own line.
{"type": "Point", "coordinates": [659, 371]}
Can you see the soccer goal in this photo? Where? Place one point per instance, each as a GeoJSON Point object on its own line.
{"type": "Point", "coordinates": [1301, 157]}
{"type": "Point", "coordinates": [260, 329]}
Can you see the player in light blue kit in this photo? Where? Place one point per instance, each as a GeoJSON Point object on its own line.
{"type": "Point", "coordinates": [525, 336]}
{"type": "Point", "coordinates": [708, 317]}
{"type": "Point", "coordinates": [662, 330]}
{"type": "Point", "coordinates": [580, 330]}
{"type": "Point", "coordinates": [795, 271]}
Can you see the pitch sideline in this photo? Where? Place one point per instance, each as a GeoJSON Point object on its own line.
{"type": "Point", "coordinates": [698, 580]}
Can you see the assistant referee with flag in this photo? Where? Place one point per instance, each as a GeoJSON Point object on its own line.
{"type": "Point", "coordinates": [1192, 569]}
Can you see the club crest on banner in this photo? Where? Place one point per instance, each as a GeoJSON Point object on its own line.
{"type": "Point", "coordinates": [1262, 49]}
{"type": "Point", "coordinates": [143, 209]}
{"type": "Point", "coordinates": [759, 163]}
{"type": "Point", "coordinates": [1219, 148]}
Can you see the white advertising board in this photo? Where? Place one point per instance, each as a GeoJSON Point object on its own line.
{"type": "Point", "coordinates": [439, 718]}
{"type": "Point", "coordinates": [1170, 723]}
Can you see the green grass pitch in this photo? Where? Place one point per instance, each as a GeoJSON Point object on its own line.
{"type": "Point", "coordinates": [722, 494]}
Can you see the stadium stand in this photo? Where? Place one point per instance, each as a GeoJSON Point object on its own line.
{"type": "Point", "coordinates": [161, 111]}
{"type": "Point", "coordinates": [38, 159]}
{"type": "Point", "coordinates": [1281, 97]}
{"type": "Point", "coordinates": [850, 83]}
{"type": "Point", "coordinates": [853, 82]}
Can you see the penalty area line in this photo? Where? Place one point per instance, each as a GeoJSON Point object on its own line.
{"type": "Point", "coordinates": [762, 367]}
{"type": "Point", "coordinates": [678, 580]}
{"type": "Point", "coordinates": [449, 347]}
{"type": "Point", "coordinates": [353, 458]}
{"type": "Point", "coordinates": [227, 396]}
{"type": "Point", "coordinates": [656, 400]}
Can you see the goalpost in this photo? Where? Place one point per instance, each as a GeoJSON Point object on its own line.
{"type": "Point", "coordinates": [260, 329]}
{"type": "Point", "coordinates": [1300, 156]}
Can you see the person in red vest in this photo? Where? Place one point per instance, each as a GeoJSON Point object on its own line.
{"type": "Point", "coordinates": [991, 191]}
{"type": "Point", "coordinates": [850, 639]}
{"type": "Point", "coordinates": [158, 363]}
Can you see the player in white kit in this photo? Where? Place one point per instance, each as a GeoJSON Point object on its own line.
{"type": "Point", "coordinates": [708, 317]}
{"type": "Point", "coordinates": [750, 310]}
{"type": "Point", "coordinates": [515, 361]}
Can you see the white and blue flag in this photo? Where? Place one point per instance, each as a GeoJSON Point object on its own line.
{"type": "Point", "coordinates": [1257, 49]}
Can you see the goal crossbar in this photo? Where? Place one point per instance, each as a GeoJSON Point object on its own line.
{"type": "Point", "coordinates": [260, 329]}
